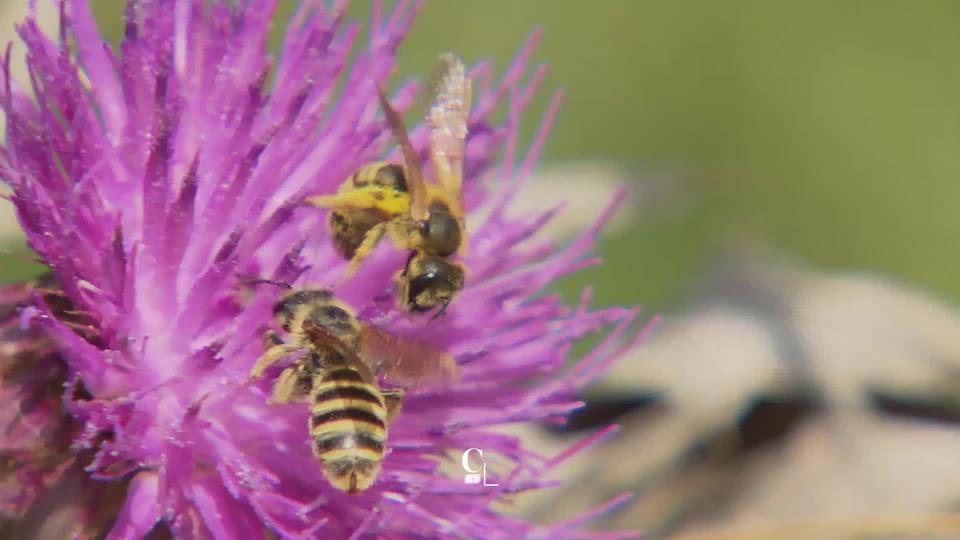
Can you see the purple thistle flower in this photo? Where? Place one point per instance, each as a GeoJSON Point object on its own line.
{"type": "Point", "coordinates": [153, 179]}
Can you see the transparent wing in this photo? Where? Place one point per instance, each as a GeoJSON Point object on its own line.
{"type": "Point", "coordinates": [406, 361]}
{"type": "Point", "coordinates": [447, 121]}
{"type": "Point", "coordinates": [415, 183]}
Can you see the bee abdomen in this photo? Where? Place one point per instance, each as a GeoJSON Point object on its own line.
{"type": "Point", "coordinates": [340, 375]}
{"type": "Point", "coordinates": [388, 175]}
{"type": "Point", "coordinates": [347, 417]}
{"type": "Point", "coordinates": [351, 393]}
{"type": "Point", "coordinates": [348, 434]}
{"type": "Point", "coordinates": [354, 443]}
{"type": "Point", "coordinates": [366, 419]}
{"type": "Point", "coordinates": [347, 235]}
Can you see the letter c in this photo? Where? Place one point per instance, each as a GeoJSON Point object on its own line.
{"type": "Point", "coordinates": [465, 460]}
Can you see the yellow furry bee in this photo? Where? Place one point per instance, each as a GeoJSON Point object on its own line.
{"type": "Point", "coordinates": [394, 200]}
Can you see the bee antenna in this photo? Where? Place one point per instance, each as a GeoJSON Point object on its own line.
{"type": "Point", "coordinates": [262, 281]}
{"type": "Point", "coordinates": [442, 312]}
{"type": "Point", "coordinates": [406, 265]}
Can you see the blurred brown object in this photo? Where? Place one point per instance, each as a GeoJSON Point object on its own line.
{"type": "Point", "coordinates": [45, 493]}
{"type": "Point", "coordinates": [780, 395]}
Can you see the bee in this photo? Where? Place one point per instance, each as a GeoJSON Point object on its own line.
{"type": "Point", "coordinates": [393, 200]}
{"type": "Point", "coordinates": [349, 411]}
{"type": "Point", "coordinates": [373, 195]}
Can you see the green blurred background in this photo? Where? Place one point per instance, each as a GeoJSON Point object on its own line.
{"type": "Point", "coordinates": [828, 129]}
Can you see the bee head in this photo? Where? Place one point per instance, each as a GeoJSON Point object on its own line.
{"type": "Point", "coordinates": [442, 231]}
{"type": "Point", "coordinates": [335, 318]}
{"type": "Point", "coordinates": [429, 282]}
{"type": "Point", "coordinates": [351, 475]}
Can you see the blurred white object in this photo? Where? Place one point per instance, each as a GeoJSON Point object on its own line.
{"type": "Point", "coordinates": [886, 478]}
{"type": "Point", "coordinates": [762, 325]}
{"type": "Point", "coordinates": [586, 189]}
{"type": "Point", "coordinates": [706, 365]}
{"type": "Point", "coordinates": [844, 334]}
{"type": "Point", "coordinates": [881, 466]}
{"type": "Point", "coordinates": [866, 333]}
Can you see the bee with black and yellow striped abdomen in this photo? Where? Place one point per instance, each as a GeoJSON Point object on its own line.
{"type": "Point", "coordinates": [349, 411]}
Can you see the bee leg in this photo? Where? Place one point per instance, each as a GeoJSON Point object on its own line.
{"type": "Point", "coordinates": [354, 198]}
{"type": "Point", "coordinates": [321, 201]}
{"type": "Point", "coordinates": [338, 200]}
{"type": "Point", "coordinates": [286, 387]}
{"type": "Point", "coordinates": [393, 399]}
{"type": "Point", "coordinates": [402, 288]}
{"type": "Point", "coordinates": [271, 339]}
{"type": "Point", "coordinates": [270, 357]}
{"type": "Point", "coordinates": [294, 384]}
{"type": "Point", "coordinates": [442, 312]}
{"type": "Point", "coordinates": [405, 233]}
{"type": "Point", "coordinates": [370, 241]}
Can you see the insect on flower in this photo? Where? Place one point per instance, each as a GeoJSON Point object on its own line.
{"type": "Point", "coordinates": [151, 177]}
{"type": "Point", "coordinates": [395, 200]}
{"type": "Point", "coordinates": [349, 411]}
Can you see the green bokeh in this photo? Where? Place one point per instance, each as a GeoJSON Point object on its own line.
{"type": "Point", "coordinates": [829, 129]}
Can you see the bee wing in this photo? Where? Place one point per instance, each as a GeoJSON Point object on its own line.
{"type": "Point", "coordinates": [447, 121]}
{"type": "Point", "coordinates": [416, 185]}
{"type": "Point", "coordinates": [321, 338]}
{"type": "Point", "coordinates": [406, 361]}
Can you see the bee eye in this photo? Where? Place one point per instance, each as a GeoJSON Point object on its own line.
{"type": "Point", "coordinates": [418, 287]}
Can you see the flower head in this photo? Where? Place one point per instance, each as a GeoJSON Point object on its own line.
{"type": "Point", "coordinates": [154, 180]}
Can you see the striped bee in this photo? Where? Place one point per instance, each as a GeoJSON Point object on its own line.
{"type": "Point", "coordinates": [338, 375]}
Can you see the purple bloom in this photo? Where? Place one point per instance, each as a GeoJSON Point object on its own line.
{"type": "Point", "coordinates": [153, 180]}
